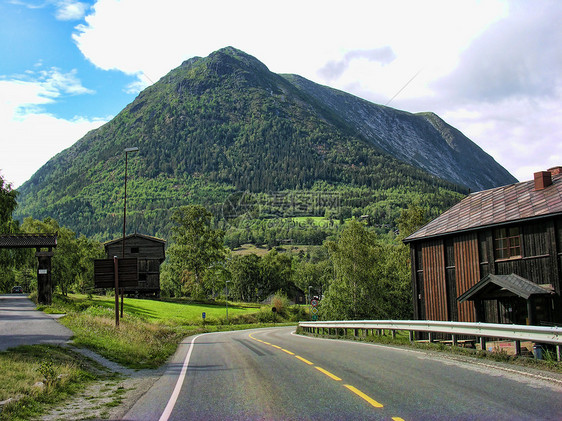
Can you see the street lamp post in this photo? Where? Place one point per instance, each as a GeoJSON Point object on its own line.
{"type": "Point", "coordinates": [126, 150]}
{"type": "Point", "coordinates": [309, 294]}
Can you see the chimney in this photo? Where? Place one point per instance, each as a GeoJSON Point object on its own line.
{"type": "Point", "coordinates": [555, 170]}
{"type": "Point", "coordinates": [543, 179]}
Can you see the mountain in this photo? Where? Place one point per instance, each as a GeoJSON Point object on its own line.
{"type": "Point", "coordinates": [225, 123]}
{"type": "Point", "coordinates": [423, 140]}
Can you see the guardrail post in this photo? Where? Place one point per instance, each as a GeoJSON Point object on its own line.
{"type": "Point", "coordinates": [454, 339]}
{"type": "Point", "coordinates": [482, 343]}
{"type": "Point", "coordinates": [517, 348]}
{"type": "Point", "coordinates": [393, 334]}
{"type": "Point", "coordinates": [558, 353]}
{"type": "Point", "coordinates": [411, 335]}
{"type": "Point", "coordinates": [430, 335]}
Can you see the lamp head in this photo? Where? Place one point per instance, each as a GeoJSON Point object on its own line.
{"type": "Point", "coordinates": [133, 149]}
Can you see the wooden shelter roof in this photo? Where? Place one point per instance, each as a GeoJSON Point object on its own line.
{"type": "Point", "coordinates": [28, 240]}
{"type": "Point", "coordinates": [513, 283]}
{"type": "Point", "coordinates": [496, 206]}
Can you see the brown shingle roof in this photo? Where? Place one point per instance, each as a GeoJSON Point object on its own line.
{"type": "Point", "coordinates": [496, 206]}
{"type": "Point", "coordinates": [147, 237]}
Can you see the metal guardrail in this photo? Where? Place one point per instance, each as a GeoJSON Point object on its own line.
{"type": "Point", "coordinates": [541, 334]}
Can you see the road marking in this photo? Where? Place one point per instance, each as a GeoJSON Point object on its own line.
{"type": "Point", "coordinates": [327, 373]}
{"type": "Point", "coordinates": [353, 389]}
{"type": "Point", "coordinates": [172, 402]}
{"type": "Point", "coordinates": [304, 360]}
{"type": "Point", "coordinates": [364, 396]}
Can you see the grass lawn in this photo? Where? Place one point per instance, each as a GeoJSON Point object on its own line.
{"type": "Point", "coordinates": [169, 312]}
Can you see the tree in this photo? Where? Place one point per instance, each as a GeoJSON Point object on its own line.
{"type": "Point", "coordinates": [357, 290]}
{"type": "Point", "coordinates": [7, 205]}
{"type": "Point", "coordinates": [410, 220]}
{"type": "Point", "coordinates": [197, 247]}
{"type": "Point", "coordinates": [11, 259]}
{"type": "Point", "coordinates": [246, 277]}
{"type": "Point", "coordinates": [72, 264]}
{"type": "Point", "coordinates": [276, 270]}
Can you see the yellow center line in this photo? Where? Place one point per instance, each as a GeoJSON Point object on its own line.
{"type": "Point", "coordinates": [304, 360]}
{"type": "Point", "coordinates": [332, 376]}
{"type": "Point", "coordinates": [361, 394]}
{"type": "Point", "coordinates": [327, 373]}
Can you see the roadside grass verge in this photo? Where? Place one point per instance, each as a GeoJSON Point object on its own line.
{"type": "Point", "coordinates": [36, 377]}
{"type": "Point", "coordinates": [151, 330]}
{"type": "Point", "coordinates": [147, 336]}
{"type": "Point", "coordinates": [402, 339]}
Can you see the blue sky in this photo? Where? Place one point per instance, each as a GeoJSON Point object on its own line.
{"type": "Point", "coordinates": [492, 69]}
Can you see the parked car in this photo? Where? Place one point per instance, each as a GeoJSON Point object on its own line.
{"type": "Point", "coordinates": [17, 290]}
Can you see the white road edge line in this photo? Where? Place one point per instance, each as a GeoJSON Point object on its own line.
{"type": "Point", "coordinates": [172, 402]}
{"type": "Point", "coordinates": [174, 397]}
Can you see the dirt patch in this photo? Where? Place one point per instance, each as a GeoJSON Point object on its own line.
{"type": "Point", "coordinates": [108, 399]}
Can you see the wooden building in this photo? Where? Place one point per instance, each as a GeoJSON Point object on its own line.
{"type": "Point", "coordinates": [150, 252]}
{"type": "Point", "coordinates": [496, 256]}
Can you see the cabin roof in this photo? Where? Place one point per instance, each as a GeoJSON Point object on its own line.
{"type": "Point", "coordinates": [135, 235]}
{"type": "Point", "coordinates": [500, 205]}
{"type": "Point", "coordinates": [513, 283]}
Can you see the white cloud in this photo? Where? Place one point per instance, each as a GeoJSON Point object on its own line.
{"type": "Point", "coordinates": [136, 36]}
{"type": "Point", "coordinates": [70, 9]}
{"type": "Point", "coordinates": [30, 136]}
{"type": "Point", "coordinates": [64, 9]}
{"type": "Point", "coordinates": [521, 134]}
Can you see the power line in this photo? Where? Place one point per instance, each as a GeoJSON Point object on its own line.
{"type": "Point", "coordinates": [403, 87]}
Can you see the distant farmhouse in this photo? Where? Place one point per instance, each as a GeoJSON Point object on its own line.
{"type": "Point", "coordinates": [494, 257]}
{"type": "Point", "coordinates": [150, 253]}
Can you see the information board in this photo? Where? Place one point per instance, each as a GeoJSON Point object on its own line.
{"type": "Point", "coordinates": [104, 273]}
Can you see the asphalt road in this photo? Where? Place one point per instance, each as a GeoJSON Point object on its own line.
{"type": "Point", "coordinates": [271, 374]}
{"type": "Point", "coordinates": [21, 324]}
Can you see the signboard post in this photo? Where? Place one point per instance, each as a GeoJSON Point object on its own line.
{"type": "Point", "coordinates": [314, 309]}
{"type": "Point", "coordinates": [116, 273]}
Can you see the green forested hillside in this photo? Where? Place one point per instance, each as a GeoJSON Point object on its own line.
{"type": "Point", "coordinates": [219, 125]}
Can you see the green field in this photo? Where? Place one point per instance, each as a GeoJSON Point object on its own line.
{"type": "Point", "coordinates": [167, 312]}
{"type": "Point", "coordinates": [316, 220]}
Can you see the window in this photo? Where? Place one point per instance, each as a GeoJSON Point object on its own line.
{"type": "Point", "coordinates": [134, 250]}
{"type": "Point", "coordinates": [508, 243]}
